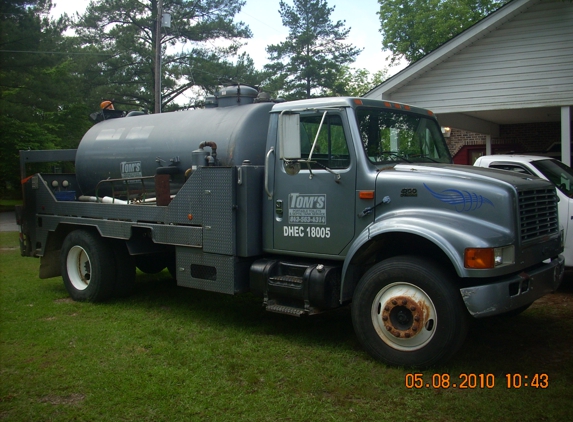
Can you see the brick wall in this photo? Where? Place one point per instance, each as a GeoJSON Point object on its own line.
{"type": "Point", "coordinates": [460, 138]}
{"type": "Point", "coordinates": [529, 137]}
{"type": "Point", "coordinates": [535, 137]}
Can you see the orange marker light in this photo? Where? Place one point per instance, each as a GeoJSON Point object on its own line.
{"type": "Point", "coordinates": [479, 258]}
{"type": "Point", "coordinates": [357, 101]}
{"type": "Point", "coordinates": [106, 105]}
{"type": "Point", "coordinates": [366, 194]}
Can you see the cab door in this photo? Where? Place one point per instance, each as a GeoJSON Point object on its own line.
{"type": "Point", "coordinates": [314, 207]}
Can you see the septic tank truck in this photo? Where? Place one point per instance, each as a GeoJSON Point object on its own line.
{"type": "Point", "coordinates": [312, 205]}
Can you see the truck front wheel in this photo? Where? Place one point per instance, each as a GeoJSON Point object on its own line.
{"type": "Point", "coordinates": [88, 266]}
{"type": "Point", "coordinates": [407, 312]}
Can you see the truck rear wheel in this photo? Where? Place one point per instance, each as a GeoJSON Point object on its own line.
{"type": "Point", "coordinates": [407, 312]}
{"type": "Point", "coordinates": [88, 266]}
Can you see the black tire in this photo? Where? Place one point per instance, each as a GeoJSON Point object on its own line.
{"type": "Point", "coordinates": [425, 330]}
{"type": "Point", "coordinates": [88, 266]}
{"type": "Point", "coordinates": [151, 263]}
{"type": "Point", "coordinates": [124, 270]}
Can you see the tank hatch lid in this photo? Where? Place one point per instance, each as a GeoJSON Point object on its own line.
{"type": "Point", "coordinates": [236, 95]}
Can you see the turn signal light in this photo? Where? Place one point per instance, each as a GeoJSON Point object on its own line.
{"type": "Point", "coordinates": [479, 258]}
{"type": "Point", "coordinates": [482, 258]}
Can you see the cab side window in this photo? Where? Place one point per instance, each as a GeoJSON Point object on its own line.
{"type": "Point", "coordinates": [331, 149]}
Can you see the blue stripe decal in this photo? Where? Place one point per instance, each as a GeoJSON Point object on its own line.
{"type": "Point", "coordinates": [463, 201]}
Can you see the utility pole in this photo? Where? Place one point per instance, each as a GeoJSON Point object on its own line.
{"type": "Point", "coordinates": [158, 57]}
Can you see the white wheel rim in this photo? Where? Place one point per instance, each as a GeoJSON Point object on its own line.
{"type": "Point", "coordinates": [79, 267]}
{"type": "Point", "coordinates": [404, 316]}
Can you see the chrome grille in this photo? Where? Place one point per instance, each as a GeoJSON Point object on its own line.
{"type": "Point", "coordinates": [537, 213]}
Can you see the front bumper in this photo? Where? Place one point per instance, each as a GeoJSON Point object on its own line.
{"type": "Point", "coordinates": [513, 292]}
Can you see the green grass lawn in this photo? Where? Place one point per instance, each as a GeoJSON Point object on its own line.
{"type": "Point", "coordinates": [9, 204]}
{"type": "Point", "coordinates": [174, 354]}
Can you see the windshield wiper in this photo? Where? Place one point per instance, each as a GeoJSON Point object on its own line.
{"type": "Point", "coordinates": [433, 160]}
{"type": "Point", "coordinates": [395, 154]}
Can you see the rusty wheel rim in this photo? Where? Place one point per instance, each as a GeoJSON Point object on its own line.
{"type": "Point", "coordinates": [404, 316]}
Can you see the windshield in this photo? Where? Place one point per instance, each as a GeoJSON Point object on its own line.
{"type": "Point", "coordinates": [558, 173]}
{"type": "Point", "coordinates": [389, 136]}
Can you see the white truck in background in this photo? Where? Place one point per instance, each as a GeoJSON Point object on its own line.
{"type": "Point", "coordinates": [558, 173]}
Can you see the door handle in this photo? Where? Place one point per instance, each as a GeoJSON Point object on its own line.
{"type": "Point", "coordinates": [270, 151]}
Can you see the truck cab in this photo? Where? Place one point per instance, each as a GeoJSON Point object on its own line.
{"type": "Point", "coordinates": [368, 187]}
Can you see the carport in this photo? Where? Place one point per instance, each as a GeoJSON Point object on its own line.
{"type": "Point", "coordinates": [508, 78]}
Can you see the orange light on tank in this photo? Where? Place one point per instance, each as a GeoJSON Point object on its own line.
{"type": "Point", "coordinates": [106, 105]}
{"type": "Point", "coordinates": [189, 216]}
{"type": "Point", "coordinates": [366, 194]}
{"type": "Point", "coordinates": [479, 258]}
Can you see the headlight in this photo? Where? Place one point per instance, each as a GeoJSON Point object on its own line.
{"type": "Point", "coordinates": [484, 258]}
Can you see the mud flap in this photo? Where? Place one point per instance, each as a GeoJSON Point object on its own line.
{"type": "Point", "coordinates": [50, 264]}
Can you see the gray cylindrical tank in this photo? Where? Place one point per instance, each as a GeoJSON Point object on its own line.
{"type": "Point", "coordinates": [139, 145]}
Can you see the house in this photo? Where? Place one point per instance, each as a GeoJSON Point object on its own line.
{"type": "Point", "coordinates": [503, 85]}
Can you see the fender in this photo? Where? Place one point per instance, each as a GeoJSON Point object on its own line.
{"type": "Point", "coordinates": [436, 227]}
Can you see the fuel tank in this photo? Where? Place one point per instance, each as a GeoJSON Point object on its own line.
{"type": "Point", "coordinates": [173, 143]}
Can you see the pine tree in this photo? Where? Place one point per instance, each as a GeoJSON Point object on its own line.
{"type": "Point", "coordinates": [127, 31]}
{"type": "Point", "coordinates": [41, 105]}
{"type": "Point", "coordinates": [308, 62]}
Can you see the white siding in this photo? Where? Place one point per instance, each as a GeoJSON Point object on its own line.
{"type": "Point", "coordinates": [526, 62]}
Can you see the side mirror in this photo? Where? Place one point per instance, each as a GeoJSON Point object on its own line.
{"type": "Point", "coordinates": [289, 136]}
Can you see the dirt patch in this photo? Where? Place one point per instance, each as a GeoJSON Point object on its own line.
{"type": "Point", "coordinates": [64, 300]}
{"type": "Point", "coordinates": [72, 399]}
{"type": "Point", "coordinates": [563, 297]}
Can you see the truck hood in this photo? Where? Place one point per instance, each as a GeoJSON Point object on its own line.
{"type": "Point", "coordinates": [476, 174]}
{"type": "Point", "coordinates": [458, 195]}
{"type": "Point", "coordinates": [484, 207]}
